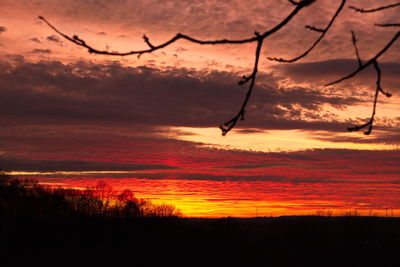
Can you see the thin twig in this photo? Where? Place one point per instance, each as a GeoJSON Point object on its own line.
{"type": "Point", "coordinates": [80, 42]}
{"type": "Point", "coordinates": [147, 41]}
{"type": "Point", "coordinates": [313, 28]}
{"type": "Point", "coordinates": [388, 25]}
{"type": "Point", "coordinates": [354, 41]}
{"type": "Point", "coordinates": [361, 10]}
{"type": "Point", "coordinates": [323, 31]}
{"type": "Point", "coordinates": [369, 62]}
{"type": "Point", "coordinates": [294, 2]}
{"type": "Point", "coordinates": [252, 78]}
{"type": "Point", "coordinates": [373, 61]}
{"type": "Point", "coordinates": [378, 90]}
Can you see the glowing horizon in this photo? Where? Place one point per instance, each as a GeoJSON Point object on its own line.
{"type": "Point", "coordinates": [68, 115]}
{"type": "Point", "coordinates": [243, 199]}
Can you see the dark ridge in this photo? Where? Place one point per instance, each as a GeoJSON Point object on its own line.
{"type": "Point", "coordinates": [35, 233]}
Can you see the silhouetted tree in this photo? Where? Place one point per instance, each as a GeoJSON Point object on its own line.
{"type": "Point", "coordinates": [30, 198]}
{"type": "Point", "coordinates": [258, 38]}
{"type": "Point", "coordinates": [161, 210]}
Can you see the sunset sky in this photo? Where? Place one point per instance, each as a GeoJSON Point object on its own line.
{"type": "Point", "coordinates": [151, 124]}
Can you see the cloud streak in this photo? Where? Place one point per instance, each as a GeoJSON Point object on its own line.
{"type": "Point", "coordinates": [322, 72]}
{"type": "Point", "coordinates": [84, 92]}
{"type": "Point", "coordinates": [40, 51]}
{"type": "Point", "coordinates": [19, 165]}
{"type": "Point", "coordinates": [156, 156]}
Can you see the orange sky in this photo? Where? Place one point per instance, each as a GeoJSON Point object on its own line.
{"type": "Point", "coordinates": [155, 118]}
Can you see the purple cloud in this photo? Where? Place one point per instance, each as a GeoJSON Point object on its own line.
{"type": "Point", "coordinates": [41, 51]}
{"type": "Point", "coordinates": [113, 94]}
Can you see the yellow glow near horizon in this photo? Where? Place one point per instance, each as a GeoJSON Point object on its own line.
{"type": "Point", "coordinates": [273, 140]}
{"type": "Point", "coordinates": [202, 198]}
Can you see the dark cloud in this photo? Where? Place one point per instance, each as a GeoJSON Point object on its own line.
{"type": "Point", "coordinates": [3, 29]}
{"type": "Point", "coordinates": [35, 40]}
{"type": "Point", "coordinates": [71, 165]}
{"type": "Point", "coordinates": [102, 33]}
{"type": "Point", "coordinates": [249, 131]}
{"type": "Point", "coordinates": [41, 51]}
{"type": "Point", "coordinates": [155, 157]}
{"type": "Point", "coordinates": [326, 69]}
{"type": "Point", "coordinates": [383, 135]}
{"type": "Point", "coordinates": [112, 94]}
{"type": "Point", "coordinates": [181, 49]}
{"type": "Point", "coordinates": [346, 158]}
{"type": "Point", "coordinates": [53, 38]}
{"type": "Point", "coordinates": [258, 166]}
{"type": "Point", "coordinates": [323, 72]}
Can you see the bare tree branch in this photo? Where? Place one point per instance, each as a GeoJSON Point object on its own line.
{"type": "Point", "coordinates": [361, 10]}
{"type": "Point", "coordinates": [294, 2]}
{"type": "Point", "coordinates": [80, 42]}
{"type": "Point", "coordinates": [373, 61]}
{"type": "Point", "coordinates": [354, 41]}
{"type": "Point", "coordinates": [388, 25]}
{"type": "Point", "coordinates": [259, 38]}
{"type": "Point", "coordinates": [369, 62]}
{"type": "Point", "coordinates": [323, 31]}
{"type": "Point", "coordinates": [252, 78]}
{"type": "Point", "coordinates": [378, 89]}
{"type": "Point", "coordinates": [147, 41]}
{"type": "Point", "coordinates": [313, 28]}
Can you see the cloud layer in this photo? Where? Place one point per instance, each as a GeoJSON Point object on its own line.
{"type": "Point", "coordinates": [111, 94]}
{"type": "Point", "coordinates": [207, 19]}
{"type": "Point", "coordinates": [154, 156]}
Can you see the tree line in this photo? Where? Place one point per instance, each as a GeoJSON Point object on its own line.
{"type": "Point", "coordinates": [26, 197]}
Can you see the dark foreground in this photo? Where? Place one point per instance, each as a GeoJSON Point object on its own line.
{"type": "Point", "coordinates": [41, 226]}
{"type": "Point", "coordinates": [284, 241]}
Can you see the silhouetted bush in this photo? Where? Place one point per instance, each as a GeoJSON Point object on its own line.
{"type": "Point", "coordinates": [161, 210]}
{"type": "Point", "coordinates": [30, 198]}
